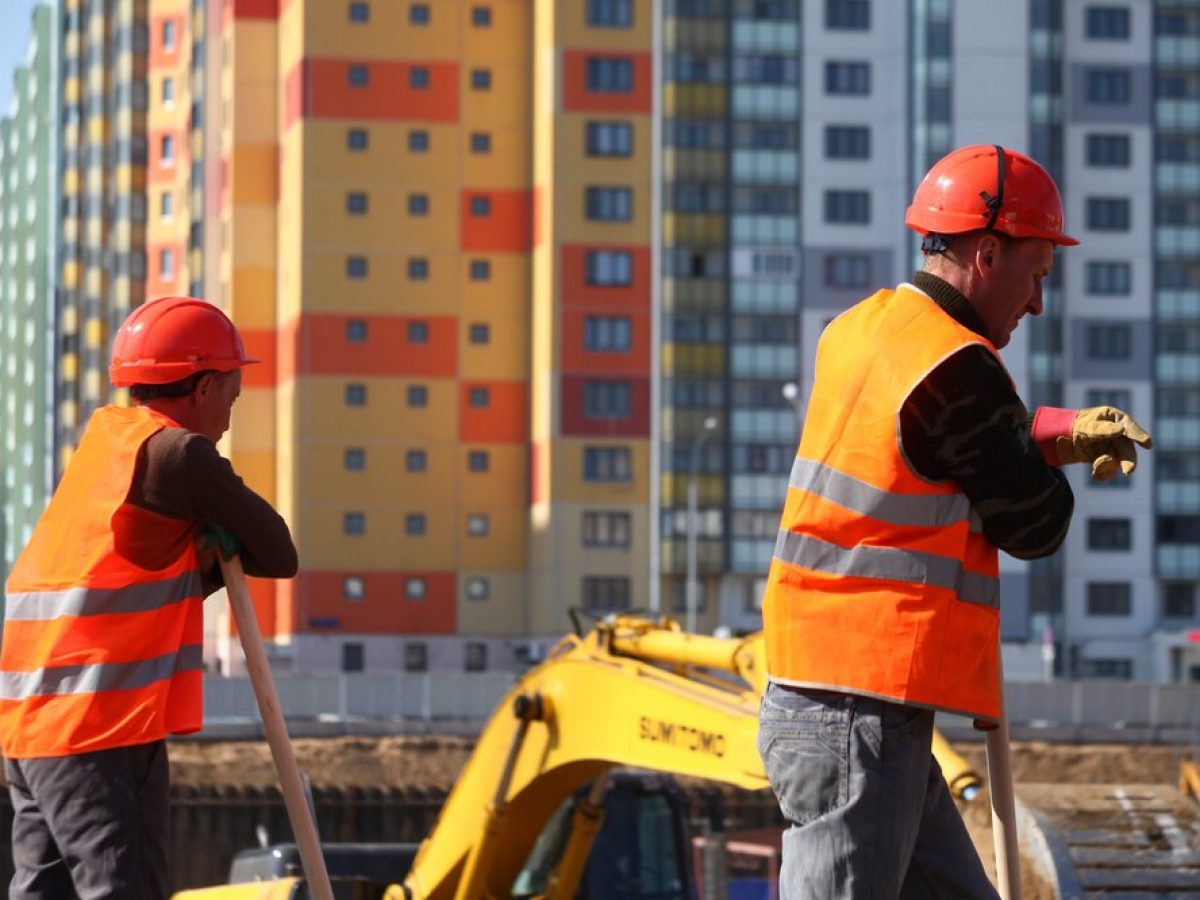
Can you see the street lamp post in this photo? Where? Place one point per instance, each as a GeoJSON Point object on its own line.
{"type": "Point", "coordinates": [710, 425]}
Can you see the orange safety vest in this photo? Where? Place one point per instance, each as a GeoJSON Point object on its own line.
{"type": "Point", "coordinates": [882, 582]}
{"type": "Point", "coordinates": [103, 619]}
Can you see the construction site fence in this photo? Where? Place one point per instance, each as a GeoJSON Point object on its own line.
{"type": "Point", "coordinates": [363, 703]}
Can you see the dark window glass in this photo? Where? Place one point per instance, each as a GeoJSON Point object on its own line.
{"type": "Point", "coordinates": [481, 142]}
{"type": "Point", "coordinates": [607, 334]}
{"type": "Point", "coordinates": [605, 529]}
{"type": "Point", "coordinates": [415, 461]}
{"type": "Point", "coordinates": [847, 142]}
{"type": "Point", "coordinates": [418, 395]}
{"type": "Point", "coordinates": [1119, 669]}
{"type": "Point", "coordinates": [481, 16]}
{"type": "Point", "coordinates": [481, 270]}
{"type": "Point", "coordinates": [418, 14]}
{"type": "Point", "coordinates": [1107, 23]}
{"type": "Point", "coordinates": [354, 459]}
{"type": "Point", "coordinates": [481, 206]}
{"type": "Point", "coordinates": [418, 332]}
{"type": "Point", "coordinates": [1108, 213]}
{"type": "Point", "coordinates": [356, 331]}
{"type": "Point", "coordinates": [607, 399]}
{"type": "Point", "coordinates": [356, 203]}
{"type": "Point", "coordinates": [1109, 534]}
{"type": "Point", "coordinates": [479, 397]}
{"type": "Point", "coordinates": [418, 204]}
{"type": "Point", "coordinates": [608, 204]}
{"type": "Point", "coordinates": [481, 79]}
{"type": "Point", "coordinates": [1179, 599]}
{"type": "Point", "coordinates": [354, 523]}
{"type": "Point", "coordinates": [609, 139]}
{"type": "Point", "coordinates": [610, 75]}
{"type": "Point", "coordinates": [418, 141]}
{"type": "Point", "coordinates": [358, 76]}
{"type": "Point", "coordinates": [356, 267]}
{"type": "Point", "coordinates": [414, 524]}
{"type": "Point", "coordinates": [356, 395]}
{"type": "Point", "coordinates": [359, 12]}
{"type": "Point", "coordinates": [1109, 598]}
{"type": "Point", "coordinates": [609, 267]}
{"type": "Point", "coordinates": [847, 78]}
{"type": "Point", "coordinates": [848, 207]}
{"type": "Point", "coordinates": [477, 461]}
{"type": "Point", "coordinates": [416, 658]}
{"type": "Point", "coordinates": [854, 15]}
{"type": "Point", "coordinates": [418, 78]}
{"type": "Point", "coordinates": [605, 594]}
{"type": "Point", "coordinates": [1109, 86]}
{"type": "Point", "coordinates": [475, 656]}
{"type": "Point", "coordinates": [1110, 278]}
{"type": "Point", "coordinates": [610, 13]}
{"type": "Point", "coordinates": [1108, 150]}
{"type": "Point", "coordinates": [607, 464]}
{"type": "Point", "coordinates": [418, 269]}
{"type": "Point", "coordinates": [357, 138]}
{"type": "Point", "coordinates": [1112, 342]}
{"type": "Point", "coordinates": [847, 270]}
{"type": "Point", "coordinates": [480, 333]}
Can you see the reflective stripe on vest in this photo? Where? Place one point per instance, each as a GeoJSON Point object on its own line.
{"type": "Point", "coordinates": [93, 677]}
{"type": "Point", "coordinates": [42, 606]}
{"type": "Point", "coordinates": [892, 563]}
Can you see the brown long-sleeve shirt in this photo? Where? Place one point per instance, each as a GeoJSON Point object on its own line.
{"type": "Point", "coordinates": [181, 475]}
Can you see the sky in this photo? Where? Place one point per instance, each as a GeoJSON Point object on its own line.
{"type": "Point", "coordinates": [14, 41]}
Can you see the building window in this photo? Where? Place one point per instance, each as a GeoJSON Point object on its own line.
{"type": "Point", "coordinates": [1109, 341]}
{"type": "Point", "coordinates": [166, 205]}
{"type": "Point", "coordinates": [477, 461]}
{"type": "Point", "coordinates": [354, 523]}
{"type": "Point", "coordinates": [609, 75]}
{"type": "Point", "coordinates": [608, 204]}
{"type": "Point", "coordinates": [356, 331]}
{"type": "Point", "coordinates": [847, 142]}
{"type": "Point", "coordinates": [1179, 600]}
{"type": "Point", "coordinates": [480, 206]}
{"type": "Point", "coordinates": [607, 399]}
{"type": "Point", "coordinates": [479, 398]}
{"type": "Point", "coordinates": [475, 656]}
{"type": "Point", "coordinates": [481, 16]}
{"type": "Point", "coordinates": [478, 589]}
{"type": "Point", "coordinates": [418, 204]}
{"type": "Point", "coordinates": [418, 332]}
{"type": "Point", "coordinates": [853, 15]}
{"type": "Point", "coordinates": [354, 459]}
{"type": "Point", "coordinates": [478, 525]}
{"type": "Point", "coordinates": [418, 269]}
{"type": "Point", "coordinates": [354, 657]}
{"type": "Point", "coordinates": [607, 334]}
{"type": "Point", "coordinates": [848, 78]}
{"type": "Point", "coordinates": [415, 588]}
{"type": "Point", "coordinates": [1108, 23]}
{"type": "Point", "coordinates": [481, 79]}
{"type": "Point", "coordinates": [848, 207]}
{"type": "Point", "coordinates": [609, 268]}
{"type": "Point", "coordinates": [416, 657]}
{"type": "Point", "coordinates": [415, 461]}
{"type": "Point", "coordinates": [414, 524]}
{"type": "Point", "coordinates": [1108, 150]}
{"type": "Point", "coordinates": [417, 395]}
{"type": "Point", "coordinates": [356, 267]}
{"type": "Point", "coordinates": [481, 142]}
{"type": "Point", "coordinates": [356, 139]}
{"type": "Point", "coordinates": [1108, 213]}
{"type": "Point", "coordinates": [1109, 534]}
{"type": "Point", "coordinates": [1111, 87]}
{"type": "Point", "coordinates": [168, 35]}
{"type": "Point", "coordinates": [418, 14]}
{"type": "Point", "coordinates": [356, 203]}
{"type": "Point", "coordinates": [610, 464]}
{"type": "Point", "coordinates": [479, 333]}
{"type": "Point", "coordinates": [605, 594]}
{"type": "Point", "coordinates": [167, 150]}
{"type": "Point", "coordinates": [610, 13]}
{"type": "Point", "coordinates": [1117, 669]}
{"type": "Point", "coordinates": [607, 529]}
{"type": "Point", "coordinates": [481, 270]}
{"type": "Point", "coordinates": [354, 588]}
{"type": "Point", "coordinates": [356, 395]}
{"type": "Point", "coordinates": [1109, 598]}
{"type": "Point", "coordinates": [609, 139]}
{"type": "Point", "coordinates": [1109, 278]}
{"type": "Point", "coordinates": [418, 141]}
{"type": "Point", "coordinates": [359, 12]}
{"type": "Point", "coordinates": [847, 270]}
{"type": "Point", "coordinates": [168, 91]}
{"type": "Point", "coordinates": [418, 78]}
{"type": "Point", "coordinates": [166, 264]}
{"type": "Point", "coordinates": [1120, 398]}
{"type": "Point", "coordinates": [358, 76]}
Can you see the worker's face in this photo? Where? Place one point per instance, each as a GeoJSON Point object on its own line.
{"type": "Point", "coordinates": [1011, 273]}
{"type": "Point", "coordinates": [214, 397]}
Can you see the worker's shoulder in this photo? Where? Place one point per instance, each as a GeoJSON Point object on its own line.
{"type": "Point", "coordinates": [175, 448]}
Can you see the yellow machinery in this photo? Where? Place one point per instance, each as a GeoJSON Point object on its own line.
{"type": "Point", "coordinates": [632, 693]}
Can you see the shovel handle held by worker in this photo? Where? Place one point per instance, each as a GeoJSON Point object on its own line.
{"type": "Point", "coordinates": [1004, 811]}
{"type": "Point", "coordinates": [304, 827]}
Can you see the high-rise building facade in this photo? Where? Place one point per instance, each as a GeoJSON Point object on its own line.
{"type": "Point", "coordinates": [28, 192]}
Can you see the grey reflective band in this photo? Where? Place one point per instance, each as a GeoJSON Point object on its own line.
{"type": "Point", "coordinates": [43, 606]}
{"type": "Point", "coordinates": [922, 510]}
{"type": "Point", "coordinates": [865, 561]}
{"type": "Point", "coordinates": [94, 677]}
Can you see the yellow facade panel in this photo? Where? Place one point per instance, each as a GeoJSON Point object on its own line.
{"type": "Point", "coordinates": [252, 242]}
{"type": "Point", "coordinates": [387, 224]}
{"type": "Point", "coordinates": [384, 478]}
{"type": "Point", "coordinates": [384, 544]}
{"type": "Point", "coordinates": [387, 157]}
{"type": "Point", "coordinates": [504, 103]}
{"type": "Point", "coordinates": [255, 173]}
{"type": "Point", "coordinates": [502, 613]}
{"type": "Point", "coordinates": [255, 111]}
{"type": "Point", "coordinates": [506, 165]}
{"type": "Point", "coordinates": [253, 422]}
{"type": "Point", "coordinates": [386, 416]}
{"type": "Point", "coordinates": [572, 136]}
{"type": "Point", "coordinates": [502, 548]}
{"type": "Point", "coordinates": [387, 289]}
{"type": "Point", "coordinates": [389, 34]}
{"type": "Point", "coordinates": [254, 51]}
{"type": "Point", "coordinates": [253, 302]}
{"type": "Point", "coordinates": [571, 485]}
{"type": "Point", "coordinates": [257, 469]}
{"type": "Point", "coordinates": [574, 30]}
{"type": "Point", "coordinates": [505, 356]}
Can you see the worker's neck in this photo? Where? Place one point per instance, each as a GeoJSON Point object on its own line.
{"type": "Point", "coordinates": [178, 409]}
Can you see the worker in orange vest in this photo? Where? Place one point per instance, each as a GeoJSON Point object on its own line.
{"type": "Point", "coordinates": [103, 624]}
{"type": "Point", "coordinates": [917, 463]}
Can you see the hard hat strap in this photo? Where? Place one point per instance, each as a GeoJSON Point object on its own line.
{"type": "Point", "coordinates": [994, 203]}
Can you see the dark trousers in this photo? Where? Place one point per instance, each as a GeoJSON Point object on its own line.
{"type": "Point", "coordinates": [91, 826]}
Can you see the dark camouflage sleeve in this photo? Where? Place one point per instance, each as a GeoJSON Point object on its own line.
{"type": "Point", "coordinates": [965, 423]}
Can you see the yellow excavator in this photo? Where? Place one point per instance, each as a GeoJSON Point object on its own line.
{"type": "Point", "coordinates": [522, 820]}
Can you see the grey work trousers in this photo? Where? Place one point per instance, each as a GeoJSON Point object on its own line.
{"type": "Point", "coordinates": [92, 826]}
{"type": "Point", "coordinates": [871, 816]}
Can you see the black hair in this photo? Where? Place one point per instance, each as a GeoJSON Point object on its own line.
{"type": "Point", "coordinates": [172, 391]}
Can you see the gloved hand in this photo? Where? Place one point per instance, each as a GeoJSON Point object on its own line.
{"type": "Point", "coordinates": [1101, 435]}
{"type": "Point", "coordinates": [216, 539]}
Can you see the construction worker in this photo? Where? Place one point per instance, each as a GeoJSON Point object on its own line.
{"type": "Point", "coordinates": [917, 462]}
{"type": "Point", "coordinates": [103, 626]}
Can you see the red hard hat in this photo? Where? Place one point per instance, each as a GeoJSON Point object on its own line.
{"type": "Point", "coordinates": [171, 338]}
{"type": "Point", "coordinates": [992, 187]}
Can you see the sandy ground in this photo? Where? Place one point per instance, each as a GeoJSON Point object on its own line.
{"type": "Point", "coordinates": [434, 762]}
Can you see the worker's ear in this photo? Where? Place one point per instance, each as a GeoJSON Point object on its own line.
{"type": "Point", "coordinates": [205, 387]}
{"type": "Point", "coordinates": [987, 254]}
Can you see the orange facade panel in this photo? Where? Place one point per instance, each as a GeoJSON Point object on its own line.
{"type": "Point", "coordinates": [494, 412]}
{"type": "Point", "coordinates": [250, 9]}
{"type": "Point", "coordinates": [384, 607]}
{"type": "Point", "coordinates": [371, 90]}
{"type": "Point", "coordinates": [578, 96]}
{"type": "Point", "coordinates": [256, 174]}
{"type": "Point", "coordinates": [497, 221]}
{"type": "Point", "coordinates": [165, 55]}
{"type": "Point", "coordinates": [325, 344]}
{"type": "Point", "coordinates": [261, 344]}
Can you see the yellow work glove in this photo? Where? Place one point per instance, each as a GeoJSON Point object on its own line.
{"type": "Point", "coordinates": [1101, 435]}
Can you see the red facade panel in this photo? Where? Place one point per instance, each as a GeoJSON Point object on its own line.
{"type": "Point", "coordinates": [385, 607]}
{"type": "Point", "coordinates": [577, 97]}
{"type": "Point", "coordinates": [577, 423]}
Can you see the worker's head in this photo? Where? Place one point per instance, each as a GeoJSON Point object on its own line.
{"type": "Point", "coordinates": [990, 218]}
{"type": "Point", "coordinates": [183, 357]}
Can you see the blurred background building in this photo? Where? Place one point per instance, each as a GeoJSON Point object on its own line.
{"type": "Point", "coordinates": [524, 276]}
